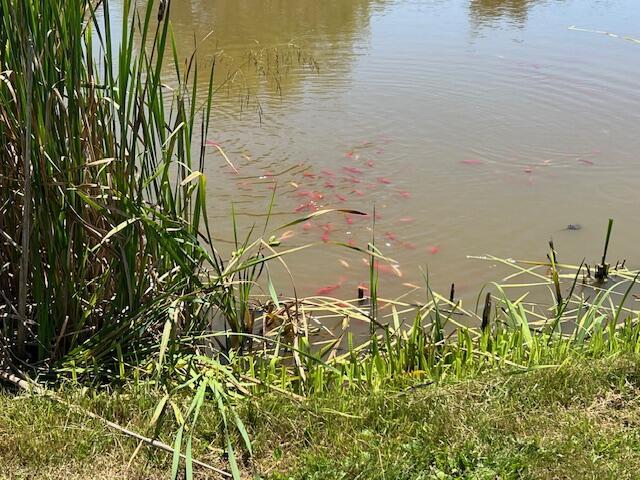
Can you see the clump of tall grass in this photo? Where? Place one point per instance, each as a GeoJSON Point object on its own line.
{"type": "Point", "coordinates": [104, 236]}
{"type": "Point", "coordinates": [101, 199]}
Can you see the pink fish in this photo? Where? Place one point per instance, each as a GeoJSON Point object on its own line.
{"type": "Point", "coordinates": [349, 154]}
{"type": "Point", "coordinates": [310, 195]}
{"type": "Point", "coordinates": [404, 194]}
{"type": "Point", "coordinates": [390, 269]}
{"type": "Point", "coordinates": [287, 235]}
{"type": "Point", "coordinates": [528, 169]}
{"type": "Point", "coordinates": [309, 206]}
{"type": "Point", "coordinates": [353, 180]}
{"type": "Point", "coordinates": [349, 219]}
{"type": "Point", "coordinates": [369, 163]}
{"type": "Point", "coordinates": [329, 184]}
{"type": "Point", "coordinates": [384, 268]}
{"type": "Point", "coordinates": [391, 236]}
{"type": "Point", "coordinates": [353, 170]}
{"type": "Point", "coordinates": [406, 220]}
{"type": "Point", "coordinates": [307, 226]}
{"type": "Point", "coordinates": [309, 175]}
{"type": "Point", "coordinates": [380, 151]}
{"type": "Point", "coordinates": [434, 250]}
{"type": "Point", "coordinates": [472, 161]}
{"type": "Point", "coordinates": [328, 228]}
{"type": "Point", "coordinates": [328, 173]}
{"type": "Point", "coordinates": [384, 180]}
{"type": "Point", "coordinates": [328, 289]}
{"type": "Point", "coordinates": [360, 193]}
{"type": "Point", "coordinates": [409, 245]}
{"type": "Point", "coordinates": [341, 198]}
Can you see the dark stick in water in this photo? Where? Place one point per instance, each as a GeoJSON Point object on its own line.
{"type": "Point", "coordinates": [486, 312]}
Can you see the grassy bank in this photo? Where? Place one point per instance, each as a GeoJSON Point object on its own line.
{"type": "Point", "coordinates": [578, 420]}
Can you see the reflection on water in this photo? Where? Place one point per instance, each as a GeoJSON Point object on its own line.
{"type": "Point", "coordinates": [464, 149]}
{"type": "Point", "coordinates": [483, 12]}
{"type": "Point", "coordinates": [268, 40]}
{"type": "Point", "coordinates": [234, 23]}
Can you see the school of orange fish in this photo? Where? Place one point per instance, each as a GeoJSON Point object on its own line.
{"type": "Point", "coordinates": [313, 190]}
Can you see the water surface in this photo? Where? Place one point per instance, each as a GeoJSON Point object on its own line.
{"type": "Point", "coordinates": [482, 126]}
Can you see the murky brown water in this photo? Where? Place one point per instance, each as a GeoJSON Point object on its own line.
{"type": "Point", "coordinates": [482, 126]}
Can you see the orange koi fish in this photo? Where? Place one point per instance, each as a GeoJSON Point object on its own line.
{"type": "Point", "coordinates": [328, 289]}
{"type": "Point", "coordinates": [391, 236]}
{"type": "Point", "coordinates": [287, 235]}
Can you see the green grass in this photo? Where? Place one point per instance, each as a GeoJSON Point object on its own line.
{"type": "Point", "coordinates": [578, 420]}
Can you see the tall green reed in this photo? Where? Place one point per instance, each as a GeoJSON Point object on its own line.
{"type": "Point", "coordinates": [104, 235]}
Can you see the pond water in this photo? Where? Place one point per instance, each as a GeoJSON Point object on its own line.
{"type": "Point", "coordinates": [481, 126]}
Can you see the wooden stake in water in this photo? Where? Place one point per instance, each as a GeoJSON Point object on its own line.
{"type": "Point", "coordinates": [553, 257]}
{"type": "Point", "coordinates": [486, 313]}
{"type": "Point", "coordinates": [602, 270]}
